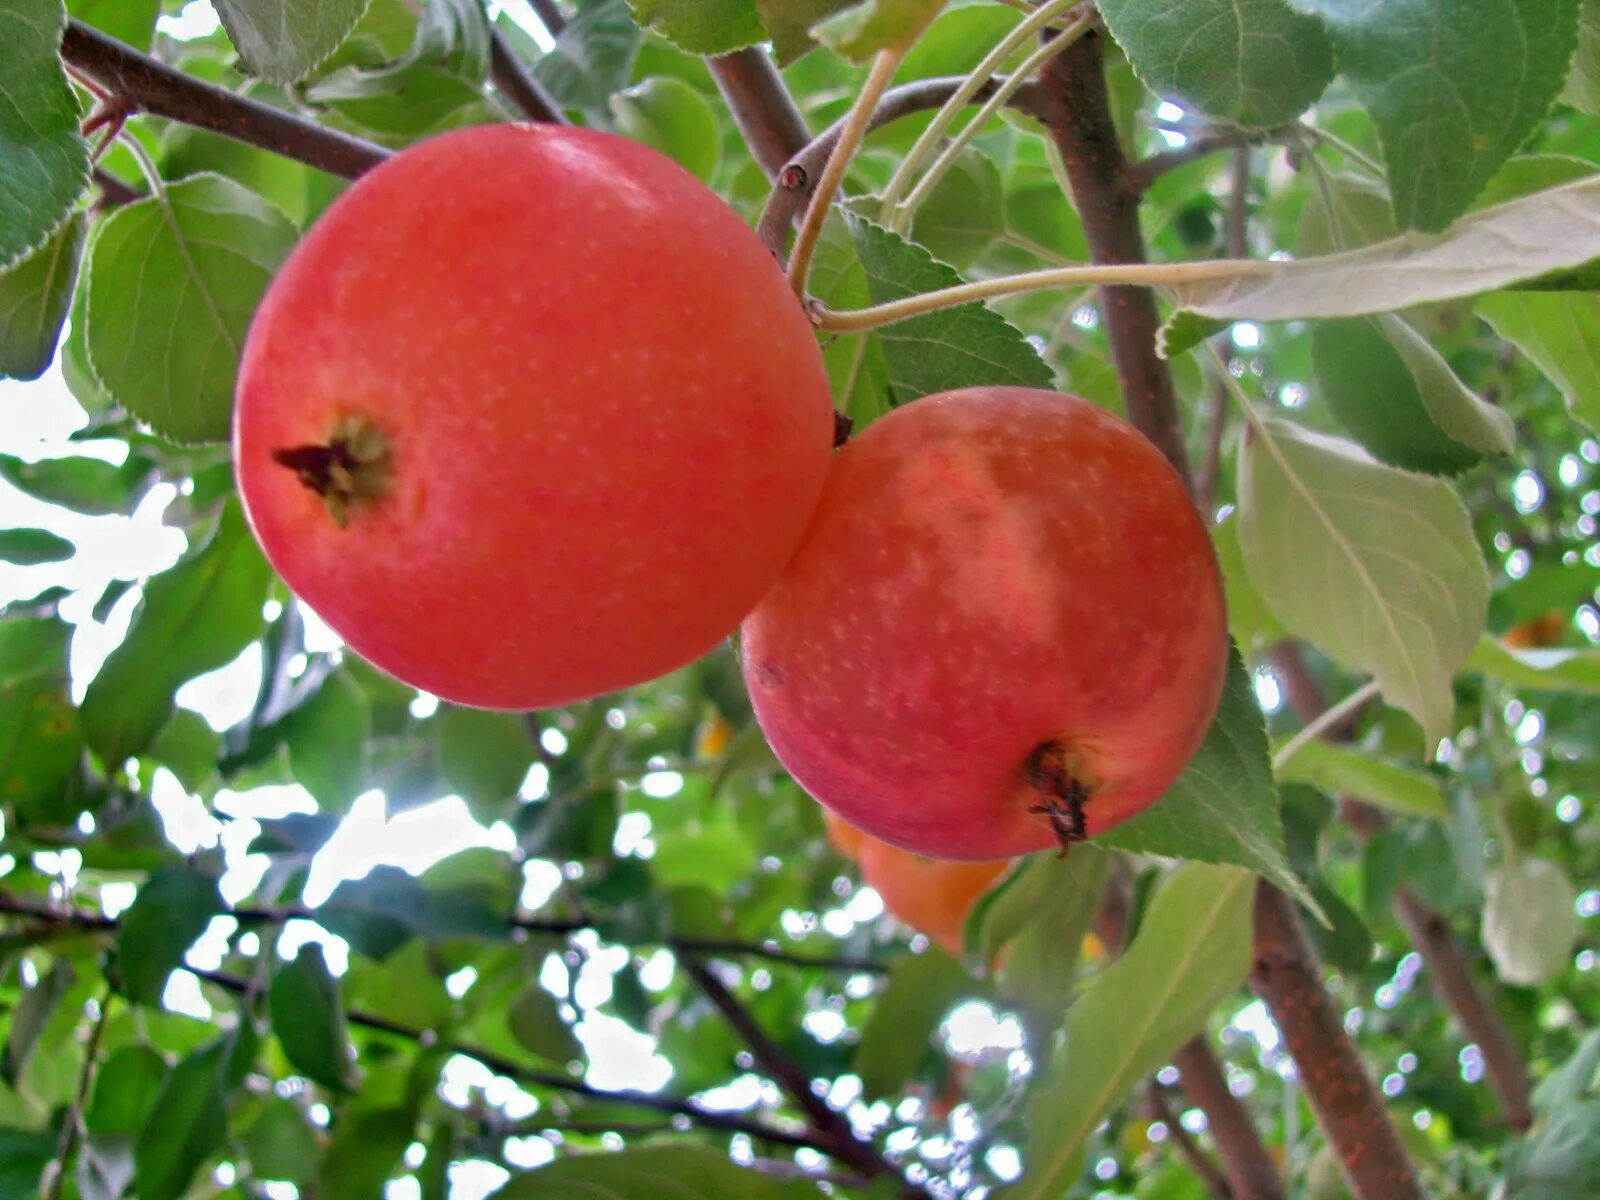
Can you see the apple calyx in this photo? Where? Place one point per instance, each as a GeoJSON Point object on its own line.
{"type": "Point", "coordinates": [349, 470]}
{"type": "Point", "coordinates": [1061, 793]}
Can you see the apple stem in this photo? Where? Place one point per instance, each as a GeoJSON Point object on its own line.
{"type": "Point", "coordinates": [1061, 794]}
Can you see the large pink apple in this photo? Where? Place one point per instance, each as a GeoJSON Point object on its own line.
{"type": "Point", "coordinates": [1003, 628]}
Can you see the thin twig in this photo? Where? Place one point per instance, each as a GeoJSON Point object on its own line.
{"type": "Point", "coordinates": [1325, 720]}
{"type": "Point", "coordinates": [500, 1065]}
{"type": "Point", "coordinates": [1199, 1161]}
{"type": "Point", "coordinates": [85, 921]}
{"type": "Point", "coordinates": [797, 180]}
{"type": "Point", "coordinates": [855, 126]}
{"type": "Point", "coordinates": [513, 80]}
{"type": "Point", "coordinates": [761, 105]}
{"type": "Point", "coordinates": [1447, 961]}
{"type": "Point", "coordinates": [1147, 170]}
{"type": "Point", "coordinates": [160, 90]}
{"type": "Point", "coordinates": [72, 1121]}
{"type": "Point", "coordinates": [1133, 277]}
{"type": "Point", "coordinates": [827, 1124]}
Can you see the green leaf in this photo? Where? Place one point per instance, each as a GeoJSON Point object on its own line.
{"type": "Point", "coordinates": [189, 1123]}
{"type": "Point", "coordinates": [920, 991]}
{"type": "Point", "coordinates": [30, 1016]}
{"type": "Point", "coordinates": [1573, 1080]}
{"type": "Point", "coordinates": [85, 485]}
{"type": "Point", "coordinates": [187, 746]}
{"type": "Point", "coordinates": [46, 161]}
{"type": "Point", "coordinates": [1397, 396]}
{"type": "Point", "coordinates": [1454, 87]}
{"type": "Point", "coordinates": [285, 40]}
{"type": "Point", "coordinates": [1546, 670]}
{"type": "Point", "coordinates": [1560, 333]}
{"type": "Point", "coordinates": [125, 1088]}
{"type": "Point", "coordinates": [592, 58]}
{"type": "Point", "coordinates": [29, 547]}
{"type": "Point", "coordinates": [168, 915]}
{"type": "Point", "coordinates": [1256, 63]}
{"type": "Point", "coordinates": [857, 375]}
{"type": "Point", "coordinates": [327, 740]}
{"type": "Point", "coordinates": [962, 216]}
{"type": "Point", "coordinates": [485, 757]}
{"type": "Point", "coordinates": [1033, 924]}
{"type": "Point", "coordinates": [173, 282]}
{"type": "Point", "coordinates": [965, 346]}
{"type": "Point", "coordinates": [405, 987]}
{"type": "Point", "coordinates": [1583, 83]}
{"type": "Point", "coordinates": [652, 1173]}
{"type": "Point", "coordinates": [1400, 589]}
{"type": "Point", "coordinates": [35, 295]}
{"type": "Point", "coordinates": [862, 30]}
{"type": "Point", "coordinates": [535, 1021]}
{"type": "Point", "coordinates": [1560, 1160]}
{"type": "Point", "coordinates": [41, 741]}
{"type": "Point", "coordinates": [366, 1148]}
{"type": "Point", "coordinates": [1192, 949]}
{"type": "Point", "coordinates": [701, 26]}
{"type": "Point", "coordinates": [1530, 924]}
{"type": "Point", "coordinates": [130, 21]}
{"type": "Point", "coordinates": [1249, 618]}
{"type": "Point", "coordinates": [1224, 807]}
{"type": "Point", "coordinates": [1343, 770]}
{"type": "Point", "coordinates": [670, 116]}
{"type": "Point", "coordinates": [281, 1143]}
{"type": "Point", "coordinates": [195, 618]}
{"type": "Point", "coordinates": [788, 24]}
{"type": "Point", "coordinates": [383, 910]}
{"type": "Point", "coordinates": [1492, 248]}
{"type": "Point", "coordinates": [308, 1017]}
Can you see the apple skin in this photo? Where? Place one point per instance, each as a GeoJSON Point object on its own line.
{"type": "Point", "coordinates": [932, 895]}
{"type": "Point", "coordinates": [606, 416]}
{"type": "Point", "coordinates": [990, 572]}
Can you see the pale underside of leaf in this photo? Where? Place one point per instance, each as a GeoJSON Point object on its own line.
{"type": "Point", "coordinates": [1521, 239]}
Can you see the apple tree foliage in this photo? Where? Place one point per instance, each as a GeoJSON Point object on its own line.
{"type": "Point", "coordinates": [1394, 408]}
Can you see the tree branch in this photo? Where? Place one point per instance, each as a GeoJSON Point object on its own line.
{"type": "Point", "coordinates": [549, 16]}
{"type": "Point", "coordinates": [1252, 1175]}
{"type": "Point", "coordinates": [159, 90]}
{"type": "Point", "coordinates": [1199, 1161]}
{"type": "Point", "coordinates": [513, 80]}
{"type": "Point", "coordinates": [797, 179]}
{"type": "Point", "coordinates": [1105, 190]}
{"type": "Point", "coordinates": [1285, 974]}
{"type": "Point", "coordinates": [828, 1125]}
{"type": "Point", "coordinates": [761, 106]}
{"type": "Point", "coordinates": [1424, 925]}
{"type": "Point", "coordinates": [1147, 170]}
{"type": "Point", "coordinates": [1349, 1108]}
{"type": "Point", "coordinates": [500, 1065]}
{"type": "Point", "coordinates": [85, 921]}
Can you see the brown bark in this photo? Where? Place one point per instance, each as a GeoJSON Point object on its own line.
{"type": "Point", "coordinates": [1286, 974]}
{"type": "Point", "coordinates": [1447, 961]}
{"type": "Point", "coordinates": [1252, 1175]}
{"type": "Point", "coordinates": [761, 106]}
{"type": "Point", "coordinates": [1106, 188]}
{"type": "Point", "coordinates": [156, 88]}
